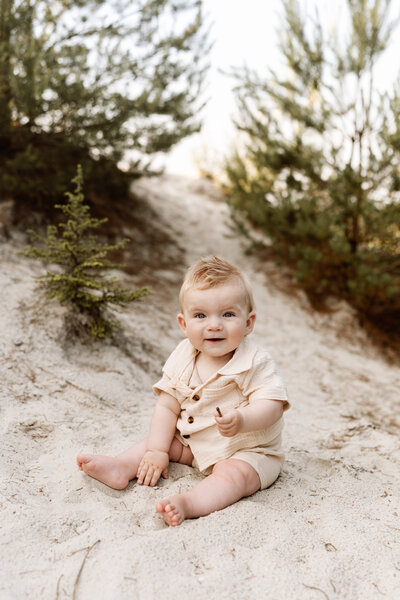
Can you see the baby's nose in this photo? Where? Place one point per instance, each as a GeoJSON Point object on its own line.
{"type": "Point", "coordinates": [214, 323]}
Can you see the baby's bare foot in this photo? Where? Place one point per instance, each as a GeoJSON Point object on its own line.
{"type": "Point", "coordinates": [106, 469]}
{"type": "Point", "coordinates": [173, 510]}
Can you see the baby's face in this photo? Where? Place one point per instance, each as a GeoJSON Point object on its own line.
{"type": "Point", "coordinates": [217, 319]}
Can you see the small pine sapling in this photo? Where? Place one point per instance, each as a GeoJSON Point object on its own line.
{"type": "Point", "coordinates": [79, 283]}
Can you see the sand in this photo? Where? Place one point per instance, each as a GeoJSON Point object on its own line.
{"type": "Point", "coordinates": [328, 528]}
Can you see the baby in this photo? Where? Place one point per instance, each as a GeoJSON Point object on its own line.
{"type": "Point", "coordinates": [219, 407]}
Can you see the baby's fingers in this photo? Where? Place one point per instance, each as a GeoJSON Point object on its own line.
{"type": "Point", "coordinates": [141, 472]}
{"type": "Point", "coordinates": [223, 430]}
{"type": "Point", "coordinates": [227, 432]}
{"type": "Point", "coordinates": [145, 471]}
{"type": "Point", "coordinates": [148, 476]}
{"type": "Point", "coordinates": [222, 426]}
{"type": "Point", "coordinates": [156, 476]}
{"type": "Point", "coordinates": [153, 477]}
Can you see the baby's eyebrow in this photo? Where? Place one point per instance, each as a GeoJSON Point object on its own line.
{"type": "Point", "coordinates": [234, 307]}
{"type": "Point", "coordinates": [229, 307]}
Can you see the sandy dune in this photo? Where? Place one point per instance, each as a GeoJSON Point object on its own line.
{"type": "Point", "coordinates": [328, 528]}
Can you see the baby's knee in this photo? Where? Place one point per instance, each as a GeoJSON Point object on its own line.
{"type": "Point", "coordinates": [239, 473]}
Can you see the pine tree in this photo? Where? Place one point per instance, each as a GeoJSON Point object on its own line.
{"type": "Point", "coordinates": [81, 257]}
{"type": "Point", "coordinates": [96, 82]}
{"type": "Point", "coordinates": [320, 169]}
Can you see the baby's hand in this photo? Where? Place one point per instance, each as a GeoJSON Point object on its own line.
{"type": "Point", "coordinates": [229, 424]}
{"type": "Point", "coordinates": [153, 464]}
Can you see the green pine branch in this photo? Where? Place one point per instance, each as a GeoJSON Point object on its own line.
{"type": "Point", "coordinates": [319, 165]}
{"type": "Point", "coordinates": [82, 259]}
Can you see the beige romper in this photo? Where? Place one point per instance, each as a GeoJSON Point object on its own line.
{"type": "Point", "coordinates": [250, 375]}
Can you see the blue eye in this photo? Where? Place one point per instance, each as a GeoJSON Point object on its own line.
{"type": "Point", "coordinates": [229, 314]}
{"type": "Point", "coordinates": [200, 316]}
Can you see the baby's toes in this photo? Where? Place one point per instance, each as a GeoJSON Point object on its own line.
{"type": "Point", "coordinates": [81, 459]}
{"type": "Point", "coordinates": [173, 515]}
{"type": "Point", "coordinates": [160, 506]}
{"type": "Point", "coordinates": [170, 512]}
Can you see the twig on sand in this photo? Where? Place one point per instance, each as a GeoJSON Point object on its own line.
{"type": "Point", "coordinates": [311, 587]}
{"type": "Point", "coordinates": [90, 393]}
{"type": "Point", "coordinates": [382, 593]}
{"type": "Point", "coordinates": [390, 527]}
{"type": "Point", "coordinates": [58, 585]}
{"type": "Point", "coordinates": [6, 497]}
{"type": "Point", "coordinates": [78, 387]}
{"type": "Point", "coordinates": [81, 568]}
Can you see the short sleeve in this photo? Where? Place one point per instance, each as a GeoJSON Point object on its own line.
{"type": "Point", "coordinates": [164, 385]}
{"type": "Point", "coordinates": [172, 365]}
{"type": "Point", "coordinates": [263, 382]}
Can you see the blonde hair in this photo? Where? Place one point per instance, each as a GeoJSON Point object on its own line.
{"type": "Point", "coordinates": [211, 271]}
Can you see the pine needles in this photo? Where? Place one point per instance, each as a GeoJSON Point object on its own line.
{"type": "Point", "coordinates": [81, 257]}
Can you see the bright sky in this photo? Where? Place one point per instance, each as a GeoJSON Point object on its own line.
{"type": "Point", "coordinates": [244, 32]}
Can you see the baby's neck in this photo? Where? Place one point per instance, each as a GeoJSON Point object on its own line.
{"type": "Point", "coordinates": [208, 365]}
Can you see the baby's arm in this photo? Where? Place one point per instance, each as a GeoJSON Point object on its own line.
{"type": "Point", "coordinates": [162, 430]}
{"type": "Point", "coordinates": [257, 415]}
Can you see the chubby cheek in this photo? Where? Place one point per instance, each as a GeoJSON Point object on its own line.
{"type": "Point", "coordinates": [236, 329]}
{"type": "Point", "coordinates": [193, 329]}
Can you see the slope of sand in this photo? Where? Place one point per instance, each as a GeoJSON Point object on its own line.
{"type": "Point", "coordinates": [328, 528]}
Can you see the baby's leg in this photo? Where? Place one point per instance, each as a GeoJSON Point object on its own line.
{"type": "Point", "coordinates": [230, 480]}
{"type": "Point", "coordinates": [117, 471]}
{"type": "Point", "coordinates": [114, 471]}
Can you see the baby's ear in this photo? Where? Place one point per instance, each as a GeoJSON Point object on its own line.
{"type": "Point", "coordinates": [181, 322]}
{"type": "Point", "coordinates": [251, 318]}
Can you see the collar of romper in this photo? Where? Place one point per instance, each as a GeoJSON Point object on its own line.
{"type": "Point", "coordinates": [242, 360]}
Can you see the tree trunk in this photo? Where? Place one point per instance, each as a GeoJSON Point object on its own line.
{"type": "Point", "coordinates": [355, 237]}
{"type": "Point", "coordinates": [5, 74]}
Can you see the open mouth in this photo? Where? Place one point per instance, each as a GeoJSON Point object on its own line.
{"type": "Point", "coordinates": [214, 340]}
